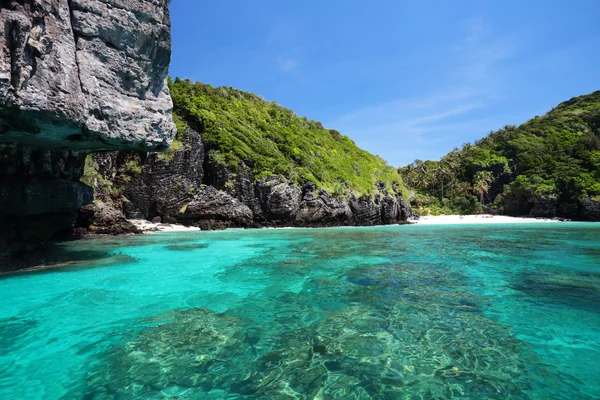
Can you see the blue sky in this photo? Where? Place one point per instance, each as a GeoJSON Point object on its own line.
{"type": "Point", "coordinates": [405, 80]}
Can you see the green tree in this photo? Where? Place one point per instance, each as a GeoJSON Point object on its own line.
{"type": "Point", "coordinates": [481, 183]}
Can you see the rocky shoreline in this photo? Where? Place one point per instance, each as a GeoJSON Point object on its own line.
{"type": "Point", "coordinates": [174, 188]}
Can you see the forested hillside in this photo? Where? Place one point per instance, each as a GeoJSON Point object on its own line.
{"type": "Point", "coordinates": [548, 166]}
{"type": "Point", "coordinates": [241, 161]}
{"type": "Point", "coordinates": [237, 125]}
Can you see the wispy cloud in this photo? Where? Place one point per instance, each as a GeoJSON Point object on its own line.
{"type": "Point", "coordinates": [286, 64]}
{"type": "Point", "coordinates": [428, 125]}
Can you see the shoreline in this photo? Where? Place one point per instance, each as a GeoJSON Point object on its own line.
{"type": "Point", "coordinates": [151, 227]}
{"type": "Point", "coordinates": [147, 227]}
{"type": "Point", "coordinates": [480, 219]}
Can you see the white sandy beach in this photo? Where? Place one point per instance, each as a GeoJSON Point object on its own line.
{"type": "Point", "coordinates": [147, 226]}
{"type": "Point", "coordinates": [478, 219]}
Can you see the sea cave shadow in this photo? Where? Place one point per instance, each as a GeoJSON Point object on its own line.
{"type": "Point", "coordinates": [64, 256]}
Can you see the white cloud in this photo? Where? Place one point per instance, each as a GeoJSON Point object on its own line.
{"type": "Point", "coordinates": [286, 64]}
{"type": "Point", "coordinates": [427, 126]}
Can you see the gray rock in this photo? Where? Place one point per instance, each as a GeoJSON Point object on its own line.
{"type": "Point", "coordinates": [390, 210]}
{"type": "Point", "coordinates": [589, 210]}
{"type": "Point", "coordinates": [245, 190]}
{"type": "Point", "coordinates": [87, 75]}
{"type": "Point", "coordinates": [75, 77]}
{"type": "Point", "coordinates": [406, 211]}
{"type": "Point", "coordinates": [365, 211]}
{"type": "Point", "coordinates": [322, 210]}
{"type": "Point", "coordinates": [166, 182]}
{"type": "Point", "coordinates": [149, 184]}
{"type": "Point", "coordinates": [103, 219]}
{"type": "Point", "coordinates": [278, 200]}
{"type": "Point", "coordinates": [172, 187]}
{"type": "Point", "coordinates": [212, 209]}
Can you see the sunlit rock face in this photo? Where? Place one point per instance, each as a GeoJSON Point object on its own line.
{"type": "Point", "coordinates": [76, 76]}
{"type": "Point", "coordinates": [87, 75]}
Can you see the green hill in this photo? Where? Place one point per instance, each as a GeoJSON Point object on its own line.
{"type": "Point", "coordinates": [236, 126]}
{"type": "Point", "coordinates": [549, 161]}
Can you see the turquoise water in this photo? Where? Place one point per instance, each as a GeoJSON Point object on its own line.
{"type": "Point", "coordinates": [398, 312]}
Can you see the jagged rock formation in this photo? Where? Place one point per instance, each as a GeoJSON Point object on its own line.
{"type": "Point", "coordinates": [75, 77]}
{"type": "Point", "coordinates": [85, 74]}
{"type": "Point", "coordinates": [589, 210]}
{"type": "Point", "coordinates": [582, 210]}
{"type": "Point", "coordinates": [172, 186]}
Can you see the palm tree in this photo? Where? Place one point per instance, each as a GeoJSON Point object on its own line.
{"type": "Point", "coordinates": [442, 171]}
{"type": "Point", "coordinates": [481, 183]}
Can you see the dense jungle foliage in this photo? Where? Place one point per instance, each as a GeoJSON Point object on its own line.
{"type": "Point", "coordinates": [555, 157]}
{"type": "Point", "coordinates": [236, 126]}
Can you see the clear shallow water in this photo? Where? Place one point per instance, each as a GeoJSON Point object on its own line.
{"type": "Point", "coordinates": [415, 312]}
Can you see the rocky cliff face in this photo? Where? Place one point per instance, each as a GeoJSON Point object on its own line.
{"type": "Point", "coordinates": [172, 186]}
{"type": "Point", "coordinates": [75, 77]}
{"type": "Point", "coordinates": [583, 210]}
{"type": "Point", "coordinates": [85, 75]}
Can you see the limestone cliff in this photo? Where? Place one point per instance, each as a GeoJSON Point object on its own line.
{"type": "Point", "coordinates": [86, 75]}
{"type": "Point", "coordinates": [75, 77]}
{"type": "Point", "coordinates": [241, 161]}
{"type": "Point", "coordinates": [179, 187]}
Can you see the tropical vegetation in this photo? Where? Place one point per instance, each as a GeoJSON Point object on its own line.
{"type": "Point", "coordinates": [555, 157]}
{"type": "Point", "coordinates": [239, 126]}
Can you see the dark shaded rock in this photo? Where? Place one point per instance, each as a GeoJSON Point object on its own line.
{"type": "Point", "coordinates": [516, 206]}
{"type": "Point", "coordinates": [321, 210]}
{"type": "Point", "coordinates": [568, 210]}
{"type": "Point", "coordinates": [390, 210]}
{"type": "Point", "coordinates": [212, 209]}
{"type": "Point", "coordinates": [365, 211]}
{"type": "Point", "coordinates": [40, 194]}
{"type": "Point", "coordinates": [154, 184]}
{"type": "Point", "coordinates": [168, 182]}
{"type": "Point", "coordinates": [589, 210]}
{"type": "Point", "coordinates": [279, 200]}
{"type": "Point", "coordinates": [103, 219]}
{"type": "Point", "coordinates": [585, 210]}
{"type": "Point", "coordinates": [406, 211]}
{"type": "Point", "coordinates": [244, 188]}
{"type": "Point", "coordinates": [217, 172]}
{"type": "Point", "coordinates": [172, 186]}
{"type": "Point", "coordinates": [544, 208]}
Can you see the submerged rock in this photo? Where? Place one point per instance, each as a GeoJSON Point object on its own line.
{"type": "Point", "coordinates": [358, 351]}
